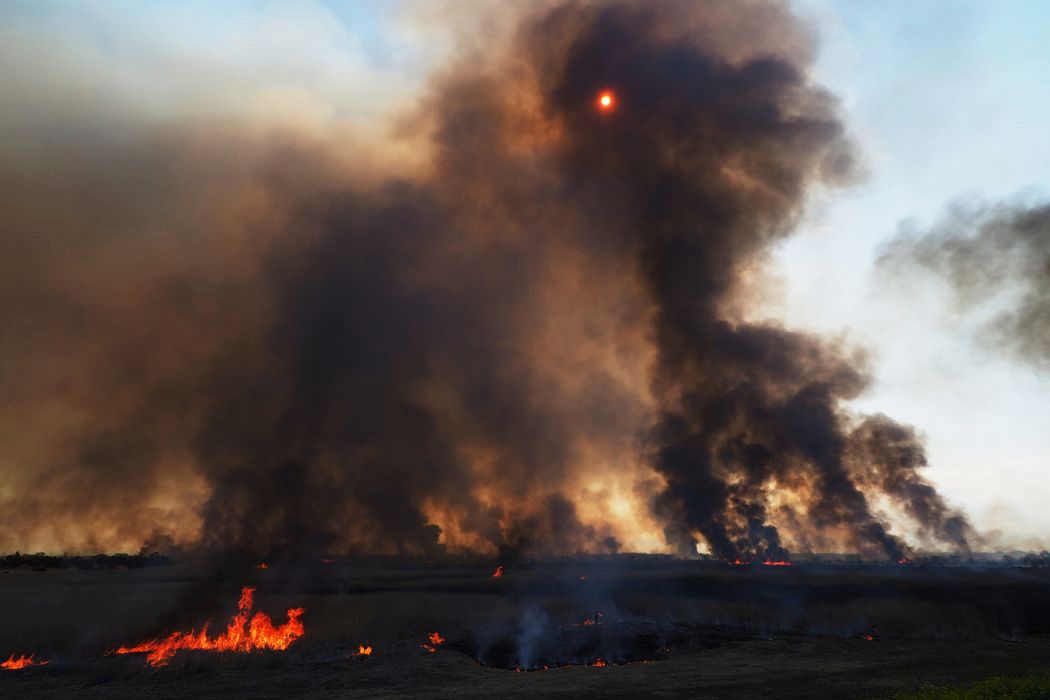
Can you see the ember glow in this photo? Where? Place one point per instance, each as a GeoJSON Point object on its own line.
{"type": "Point", "coordinates": [435, 640]}
{"type": "Point", "coordinates": [498, 572]}
{"type": "Point", "coordinates": [776, 562]}
{"type": "Point", "coordinates": [606, 101]}
{"type": "Point", "coordinates": [13, 664]}
{"type": "Point", "coordinates": [596, 620]}
{"type": "Point", "coordinates": [240, 635]}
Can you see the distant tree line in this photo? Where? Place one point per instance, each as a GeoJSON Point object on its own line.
{"type": "Point", "coordinates": [43, 562]}
{"type": "Point", "coordinates": [1040, 560]}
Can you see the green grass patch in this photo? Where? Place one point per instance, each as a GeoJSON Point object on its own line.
{"type": "Point", "coordinates": [1035, 687]}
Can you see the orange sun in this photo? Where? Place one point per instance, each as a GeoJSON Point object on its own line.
{"type": "Point", "coordinates": [606, 101]}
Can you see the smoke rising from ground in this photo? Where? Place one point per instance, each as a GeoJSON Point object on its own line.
{"type": "Point", "coordinates": [247, 341]}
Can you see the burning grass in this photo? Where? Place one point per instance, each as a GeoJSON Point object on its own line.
{"type": "Point", "coordinates": [656, 624]}
{"type": "Point", "coordinates": [23, 661]}
{"type": "Point", "coordinates": [435, 640]}
{"type": "Point", "coordinates": [241, 635]}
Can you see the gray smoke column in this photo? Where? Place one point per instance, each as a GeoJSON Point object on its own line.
{"type": "Point", "coordinates": [996, 262]}
{"type": "Point", "coordinates": [339, 360]}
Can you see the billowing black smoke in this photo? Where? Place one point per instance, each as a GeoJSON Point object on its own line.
{"type": "Point", "coordinates": [707, 163]}
{"type": "Point", "coordinates": [452, 357]}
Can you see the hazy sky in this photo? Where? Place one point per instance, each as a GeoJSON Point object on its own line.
{"type": "Point", "coordinates": [947, 100]}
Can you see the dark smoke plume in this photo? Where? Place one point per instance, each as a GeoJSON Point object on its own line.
{"type": "Point", "coordinates": [996, 261]}
{"type": "Point", "coordinates": [317, 359]}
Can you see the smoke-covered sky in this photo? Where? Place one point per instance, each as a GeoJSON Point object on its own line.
{"type": "Point", "coordinates": [280, 279]}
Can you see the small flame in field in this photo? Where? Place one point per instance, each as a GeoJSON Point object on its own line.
{"type": "Point", "coordinates": [263, 565]}
{"type": "Point", "coordinates": [599, 662]}
{"type": "Point", "coordinates": [240, 635]}
{"type": "Point", "coordinates": [740, 562]}
{"type": "Point", "coordinates": [776, 562]}
{"type": "Point", "coordinates": [873, 635]}
{"type": "Point", "coordinates": [436, 640]}
{"type": "Point", "coordinates": [13, 664]}
{"type": "Point", "coordinates": [363, 650]}
{"type": "Point", "coordinates": [596, 620]}
{"type": "Point", "coordinates": [498, 572]}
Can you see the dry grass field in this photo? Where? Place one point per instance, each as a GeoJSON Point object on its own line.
{"type": "Point", "coordinates": [663, 629]}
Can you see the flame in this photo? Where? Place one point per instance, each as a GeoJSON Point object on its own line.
{"type": "Point", "coordinates": [260, 634]}
{"type": "Point", "coordinates": [740, 562]}
{"type": "Point", "coordinates": [436, 640]}
{"type": "Point", "coordinates": [599, 662]}
{"type": "Point", "coordinates": [498, 572]}
{"type": "Point", "coordinates": [363, 650]}
{"type": "Point", "coordinates": [606, 100]}
{"type": "Point", "coordinates": [903, 560]}
{"type": "Point", "coordinates": [596, 620]}
{"type": "Point", "coordinates": [263, 565]}
{"type": "Point", "coordinates": [777, 562]}
{"type": "Point", "coordinates": [13, 664]}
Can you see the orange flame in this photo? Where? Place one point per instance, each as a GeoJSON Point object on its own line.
{"type": "Point", "coordinates": [260, 634]}
{"type": "Point", "coordinates": [13, 664]}
{"type": "Point", "coordinates": [599, 662]}
{"type": "Point", "coordinates": [436, 640]}
{"type": "Point", "coordinates": [770, 562]}
{"type": "Point", "coordinates": [740, 562]}
{"type": "Point", "coordinates": [606, 100]}
{"type": "Point", "coordinates": [498, 572]}
{"type": "Point", "coordinates": [363, 650]}
{"type": "Point", "coordinates": [263, 565]}
{"type": "Point", "coordinates": [596, 620]}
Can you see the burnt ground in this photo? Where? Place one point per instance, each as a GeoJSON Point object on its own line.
{"type": "Point", "coordinates": [664, 629]}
